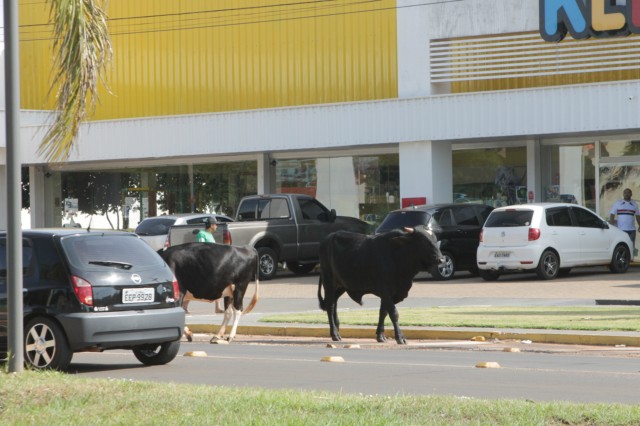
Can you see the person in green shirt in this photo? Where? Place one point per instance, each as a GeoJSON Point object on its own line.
{"type": "Point", "coordinates": [205, 236]}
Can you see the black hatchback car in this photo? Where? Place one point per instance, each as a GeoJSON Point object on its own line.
{"type": "Point", "coordinates": [457, 227]}
{"type": "Point", "coordinates": [92, 291]}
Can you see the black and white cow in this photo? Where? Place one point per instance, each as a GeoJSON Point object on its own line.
{"type": "Point", "coordinates": [210, 271]}
{"type": "Point", "coordinates": [383, 265]}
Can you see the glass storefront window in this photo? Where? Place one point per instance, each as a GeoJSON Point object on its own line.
{"type": "Point", "coordinates": [120, 199]}
{"type": "Point", "coordinates": [366, 187]}
{"type": "Point", "coordinates": [622, 148]}
{"type": "Point", "coordinates": [619, 169]}
{"type": "Point", "coordinates": [493, 176]}
{"type": "Point", "coordinates": [569, 174]}
{"type": "Point", "coordinates": [613, 180]}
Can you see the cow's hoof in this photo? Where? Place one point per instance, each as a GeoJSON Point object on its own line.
{"type": "Point", "coordinates": [381, 338]}
{"type": "Point", "coordinates": [401, 341]}
{"type": "Point", "coordinates": [336, 338]}
{"type": "Point", "coordinates": [188, 334]}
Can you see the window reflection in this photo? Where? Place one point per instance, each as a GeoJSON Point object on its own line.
{"type": "Point", "coordinates": [366, 187]}
{"type": "Point", "coordinates": [493, 176]}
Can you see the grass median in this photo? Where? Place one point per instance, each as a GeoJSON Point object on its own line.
{"type": "Point", "coordinates": [33, 398]}
{"type": "Point", "coordinates": [522, 317]}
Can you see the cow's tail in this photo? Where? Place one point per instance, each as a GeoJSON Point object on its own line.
{"type": "Point", "coordinates": [320, 299]}
{"type": "Point", "coordinates": [254, 300]}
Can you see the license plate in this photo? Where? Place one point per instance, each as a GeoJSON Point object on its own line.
{"type": "Point", "coordinates": [502, 254]}
{"type": "Point", "coordinates": [137, 295]}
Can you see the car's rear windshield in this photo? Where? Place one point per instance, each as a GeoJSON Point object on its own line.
{"type": "Point", "coordinates": [155, 226]}
{"type": "Point", "coordinates": [507, 218]}
{"type": "Point", "coordinates": [109, 251]}
{"type": "Point", "coordinates": [397, 220]}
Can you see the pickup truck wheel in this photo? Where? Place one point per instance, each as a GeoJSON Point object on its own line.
{"type": "Point", "coordinates": [268, 263]}
{"type": "Point", "coordinates": [300, 268]}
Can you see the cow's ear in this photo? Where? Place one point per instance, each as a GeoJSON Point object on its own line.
{"type": "Point", "coordinates": [409, 230]}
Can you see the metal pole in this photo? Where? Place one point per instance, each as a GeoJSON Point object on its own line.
{"type": "Point", "coordinates": [14, 199]}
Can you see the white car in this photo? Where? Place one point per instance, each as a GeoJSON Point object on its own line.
{"type": "Point", "coordinates": [549, 239]}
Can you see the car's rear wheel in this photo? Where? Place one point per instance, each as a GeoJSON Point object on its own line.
{"type": "Point", "coordinates": [620, 260]}
{"type": "Point", "coordinates": [268, 263]}
{"type": "Point", "coordinates": [488, 274]}
{"type": "Point", "coordinates": [446, 269]}
{"type": "Point", "coordinates": [157, 354]}
{"type": "Point", "coordinates": [549, 265]}
{"type": "Point", "coordinates": [300, 268]}
{"type": "Point", "coordinates": [45, 345]}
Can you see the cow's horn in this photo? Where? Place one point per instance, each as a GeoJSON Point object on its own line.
{"type": "Point", "coordinates": [409, 230]}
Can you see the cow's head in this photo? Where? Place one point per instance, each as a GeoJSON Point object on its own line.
{"type": "Point", "coordinates": [427, 246]}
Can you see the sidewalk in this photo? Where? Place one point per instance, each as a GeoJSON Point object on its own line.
{"type": "Point", "coordinates": [290, 294]}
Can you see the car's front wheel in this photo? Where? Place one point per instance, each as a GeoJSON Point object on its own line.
{"type": "Point", "coordinates": [446, 269]}
{"type": "Point", "coordinates": [45, 345]}
{"type": "Point", "coordinates": [549, 265]}
{"type": "Point", "coordinates": [620, 259]}
{"type": "Point", "coordinates": [268, 261]}
{"type": "Point", "coordinates": [157, 354]}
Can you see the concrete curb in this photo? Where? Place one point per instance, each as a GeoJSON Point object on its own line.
{"type": "Point", "coordinates": [538, 336]}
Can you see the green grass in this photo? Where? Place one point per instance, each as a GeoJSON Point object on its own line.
{"type": "Point", "coordinates": [554, 318]}
{"type": "Point", "coordinates": [48, 398]}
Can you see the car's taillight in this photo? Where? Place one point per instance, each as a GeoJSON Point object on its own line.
{"type": "Point", "coordinates": [167, 243]}
{"type": "Point", "coordinates": [226, 237]}
{"type": "Point", "coordinates": [534, 234]}
{"type": "Point", "coordinates": [83, 290]}
{"type": "Point", "coordinates": [482, 235]}
{"type": "Point", "coordinates": [176, 289]}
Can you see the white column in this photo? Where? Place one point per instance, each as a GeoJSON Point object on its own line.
{"type": "Point", "coordinates": [266, 174]}
{"type": "Point", "coordinates": [534, 170]}
{"type": "Point", "coordinates": [426, 171]}
{"type": "Point", "coordinates": [3, 193]}
{"type": "Point", "coordinates": [36, 197]}
{"type": "Point", "coordinates": [413, 50]}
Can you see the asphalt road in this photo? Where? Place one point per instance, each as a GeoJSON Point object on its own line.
{"type": "Point", "coordinates": [525, 370]}
{"type": "Point", "coordinates": [543, 373]}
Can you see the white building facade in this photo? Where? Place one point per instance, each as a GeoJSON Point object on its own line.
{"type": "Point", "coordinates": [486, 111]}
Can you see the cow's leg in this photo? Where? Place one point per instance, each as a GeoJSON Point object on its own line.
{"type": "Point", "coordinates": [227, 292]}
{"type": "Point", "coordinates": [380, 337]}
{"type": "Point", "coordinates": [236, 319]}
{"type": "Point", "coordinates": [332, 314]}
{"type": "Point", "coordinates": [188, 334]}
{"type": "Point", "coordinates": [223, 326]}
{"type": "Point", "coordinates": [393, 315]}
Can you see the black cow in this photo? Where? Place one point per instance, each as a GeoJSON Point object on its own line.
{"type": "Point", "coordinates": [383, 265]}
{"type": "Point", "coordinates": [210, 271]}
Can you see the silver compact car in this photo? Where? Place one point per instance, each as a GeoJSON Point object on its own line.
{"type": "Point", "coordinates": [93, 291]}
{"type": "Point", "coordinates": [549, 239]}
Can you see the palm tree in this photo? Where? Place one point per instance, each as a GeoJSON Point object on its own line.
{"type": "Point", "coordinates": [82, 51]}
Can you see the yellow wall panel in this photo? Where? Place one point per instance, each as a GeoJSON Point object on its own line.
{"type": "Point", "coordinates": [193, 56]}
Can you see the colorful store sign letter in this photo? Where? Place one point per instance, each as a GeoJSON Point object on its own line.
{"type": "Point", "coordinates": [588, 18]}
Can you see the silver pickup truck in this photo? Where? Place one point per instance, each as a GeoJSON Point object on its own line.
{"type": "Point", "coordinates": [284, 228]}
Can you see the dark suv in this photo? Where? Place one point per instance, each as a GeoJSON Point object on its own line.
{"type": "Point", "coordinates": [88, 291]}
{"type": "Point", "coordinates": [457, 227]}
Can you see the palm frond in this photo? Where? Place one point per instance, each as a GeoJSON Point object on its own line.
{"type": "Point", "coordinates": [82, 51]}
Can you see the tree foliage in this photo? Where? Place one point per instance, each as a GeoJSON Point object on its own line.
{"type": "Point", "coordinates": [82, 50]}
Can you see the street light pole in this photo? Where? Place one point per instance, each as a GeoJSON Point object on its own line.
{"type": "Point", "coordinates": [14, 199]}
